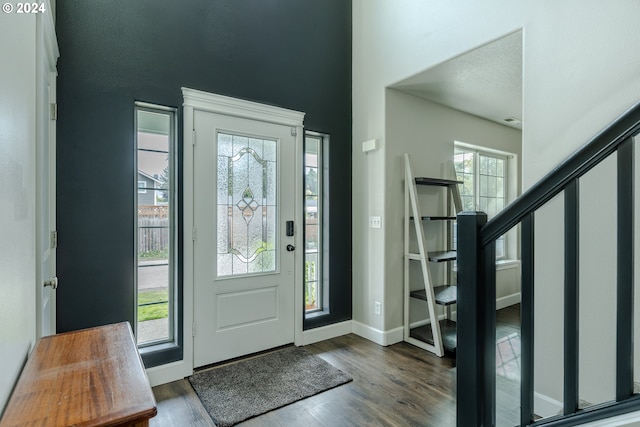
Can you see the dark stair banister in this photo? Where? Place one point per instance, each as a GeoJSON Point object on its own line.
{"type": "Point", "coordinates": [476, 295]}
{"type": "Point", "coordinates": [579, 163]}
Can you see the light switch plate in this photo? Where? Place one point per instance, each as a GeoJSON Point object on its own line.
{"type": "Point", "coordinates": [369, 145]}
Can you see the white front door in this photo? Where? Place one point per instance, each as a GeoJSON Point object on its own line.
{"type": "Point", "coordinates": [46, 281]}
{"type": "Point", "coordinates": [244, 174]}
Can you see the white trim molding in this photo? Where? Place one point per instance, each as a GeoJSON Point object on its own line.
{"type": "Point", "coordinates": [169, 372]}
{"type": "Point", "coordinates": [214, 103]}
{"type": "Point", "coordinates": [311, 336]}
{"type": "Point", "coordinates": [379, 337]}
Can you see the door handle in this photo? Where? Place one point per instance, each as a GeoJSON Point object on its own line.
{"type": "Point", "coordinates": [53, 282]}
{"type": "Point", "coordinates": [291, 248]}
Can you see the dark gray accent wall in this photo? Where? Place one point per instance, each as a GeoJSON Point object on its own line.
{"type": "Point", "coordinates": [290, 53]}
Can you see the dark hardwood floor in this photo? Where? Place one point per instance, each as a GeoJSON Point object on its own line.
{"type": "Point", "coordinates": [398, 385]}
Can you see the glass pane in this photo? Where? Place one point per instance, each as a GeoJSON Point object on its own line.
{"type": "Point", "coordinates": [468, 203]}
{"type": "Point", "coordinates": [153, 215]}
{"type": "Point", "coordinates": [491, 166]}
{"type": "Point", "coordinates": [491, 186]}
{"type": "Point", "coordinates": [484, 186]}
{"type": "Point", "coordinates": [467, 187]}
{"type": "Point", "coordinates": [484, 168]}
{"type": "Point", "coordinates": [311, 278]}
{"type": "Point", "coordinates": [468, 163]}
{"type": "Point", "coordinates": [313, 223]}
{"type": "Point", "coordinates": [311, 152]}
{"type": "Point", "coordinates": [500, 166]}
{"type": "Point", "coordinates": [311, 179]}
{"type": "Point", "coordinates": [246, 217]}
{"type": "Point", "coordinates": [500, 247]}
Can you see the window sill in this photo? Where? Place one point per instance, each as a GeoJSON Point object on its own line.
{"type": "Point", "coordinates": [160, 354]}
{"type": "Point", "coordinates": [152, 348]}
{"type": "Point", "coordinates": [506, 264]}
{"type": "Point", "coordinates": [316, 314]}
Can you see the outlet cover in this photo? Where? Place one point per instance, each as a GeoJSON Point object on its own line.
{"type": "Point", "coordinates": [375, 222]}
{"type": "Point", "coordinates": [378, 308]}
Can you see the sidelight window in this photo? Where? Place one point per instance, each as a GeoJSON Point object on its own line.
{"type": "Point", "coordinates": [156, 270]}
{"type": "Point", "coordinates": [314, 222]}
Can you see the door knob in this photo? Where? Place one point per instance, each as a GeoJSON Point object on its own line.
{"type": "Point", "coordinates": [53, 282]}
{"type": "Point", "coordinates": [291, 248]}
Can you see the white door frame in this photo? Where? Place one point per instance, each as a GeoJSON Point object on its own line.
{"type": "Point", "coordinates": [203, 101]}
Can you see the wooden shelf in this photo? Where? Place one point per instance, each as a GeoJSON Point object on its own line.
{"type": "Point", "coordinates": [442, 256]}
{"type": "Point", "coordinates": [436, 181]}
{"type": "Point", "coordinates": [444, 295]}
{"type": "Point", "coordinates": [447, 329]}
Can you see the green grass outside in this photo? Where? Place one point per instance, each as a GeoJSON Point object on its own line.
{"type": "Point", "coordinates": [155, 311]}
{"type": "Point", "coordinates": [155, 255]}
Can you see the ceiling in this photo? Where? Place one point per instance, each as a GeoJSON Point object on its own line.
{"type": "Point", "coordinates": [485, 82]}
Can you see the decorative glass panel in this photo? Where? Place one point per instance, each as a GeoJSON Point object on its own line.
{"type": "Point", "coordinates": [247, 211]}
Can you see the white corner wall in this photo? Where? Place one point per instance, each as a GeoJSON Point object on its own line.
{"type": "Point", "coordinates": [580, 72]}
{"type": "Point", "coordinates": [17, 196]}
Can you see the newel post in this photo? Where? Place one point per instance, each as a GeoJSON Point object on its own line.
{"type": "Point", "coordinates": [476, 327]}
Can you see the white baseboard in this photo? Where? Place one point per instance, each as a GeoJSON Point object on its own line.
{"type": "Point", "coordinates": [423, 322]}
{"type": "Point", "coordinates": [322, 333]}
{"type": "Point", "coordinates": [379, 337]}
{"type": "Point", "coordinates": [507, 301]}
{"type": "Point", "coordinates": [170, 372]}
{"type": "Point", "coordinates": [545, 406]}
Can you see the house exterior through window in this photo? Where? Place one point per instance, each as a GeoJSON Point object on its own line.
{"type": "Point", "coordinates": [484, 188]}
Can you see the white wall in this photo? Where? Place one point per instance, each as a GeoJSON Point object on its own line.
{"type": "Point", "coordinates": [17, 195]}
{"type": "Point", "coordinates": [427, 132]}
{"type": "Point", "coordinates": [580, 72]}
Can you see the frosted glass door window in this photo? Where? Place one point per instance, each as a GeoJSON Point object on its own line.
{"type": "Point", "coordinates": [247, 205]}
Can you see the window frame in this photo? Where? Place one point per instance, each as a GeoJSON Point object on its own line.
{"type": "Point", "coordinates": [460, 148]}
{"type": "Point", "coordinates": [160, 352]}
{"type": "Point", "coordinates": [322, 273]}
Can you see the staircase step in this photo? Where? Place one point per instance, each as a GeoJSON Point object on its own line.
{"type": "Point", "coordinates": [442, 256]}
{"type": "Point", "coordinates": [447, 329]}
{"type": "Point", "coordinates": [445, 295]}
{"type": "Point", "coordinates": [436, 181]}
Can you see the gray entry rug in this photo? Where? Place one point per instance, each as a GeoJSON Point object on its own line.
{"type": "Point", "coordinates": [238, 391]}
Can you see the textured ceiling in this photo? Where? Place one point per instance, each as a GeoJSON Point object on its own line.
{"type": "Point", "coordinates": [486, 82]}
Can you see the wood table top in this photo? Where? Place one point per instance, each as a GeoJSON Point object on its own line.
{"type": "Point", "coordinates": [91, 377]}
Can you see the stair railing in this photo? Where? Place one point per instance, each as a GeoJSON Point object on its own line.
{"type": "Point", "coordinates": [476, 353]}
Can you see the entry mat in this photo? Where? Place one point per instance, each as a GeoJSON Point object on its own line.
{"type": "Point", "coordinates": [237, 391]}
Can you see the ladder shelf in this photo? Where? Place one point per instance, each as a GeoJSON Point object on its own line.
{"type": "Point", "coordinates": [434, 336]}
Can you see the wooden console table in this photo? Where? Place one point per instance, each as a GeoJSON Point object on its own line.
{"type": "Point", "coordinates": [92, 377]}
